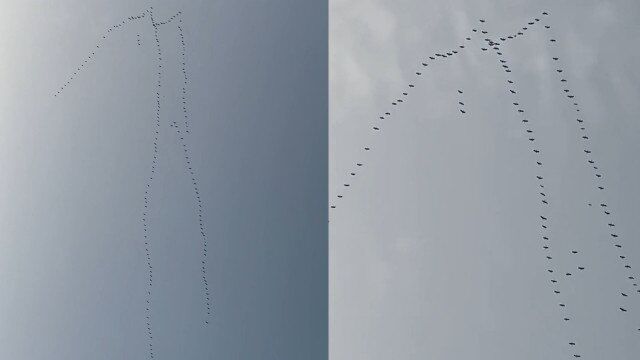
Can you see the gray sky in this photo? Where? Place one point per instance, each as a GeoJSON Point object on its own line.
{"type": "Point", "coordinates": [436, 248]}
{"type": "Point", "coordinates": [74, 167]}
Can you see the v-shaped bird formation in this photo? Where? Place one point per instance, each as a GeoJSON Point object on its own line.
{"type": "Point", "coordinates": [559, 278]}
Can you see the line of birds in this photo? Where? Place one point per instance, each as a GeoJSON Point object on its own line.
{"type": "Point", "coordinates": [377, 128]}
{"type": "Point", "coordinates": [543, 193]}
{"type": "Point", "coordinates": [103, 38]}
{"type": "Point", "coordinates": [154, 161]}
{"type": "Point", "coordinates": [387, 115]}
{"type": "Point", "coordinates": [191, 171]}
{"type": "Point", "coordinates": [598, 179]}
{"type": "Point", "coordinates": [460, 103]}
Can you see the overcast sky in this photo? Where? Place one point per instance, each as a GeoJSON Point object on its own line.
{"type": "Point", "coordinates": [436, 248]}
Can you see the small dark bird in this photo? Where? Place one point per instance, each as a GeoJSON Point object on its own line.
{"type": "Point", "coordinates": [623, 309]}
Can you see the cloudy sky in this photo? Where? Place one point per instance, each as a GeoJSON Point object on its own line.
{"type": "Point", "coordinates": [436, 247]}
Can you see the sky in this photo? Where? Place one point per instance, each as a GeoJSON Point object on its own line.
{"type": "Point", "coordinates": [79, 166]}
{"type": "Point", "coordinates": [436, 246]}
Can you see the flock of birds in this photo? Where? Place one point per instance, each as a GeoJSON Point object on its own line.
{"type": "Point", "coordinates": [386, 115]}
{"type": "Point", "coordinates": [182, 131]}
{"type": "Point", "coordinates": [556, 277]}
{"type": "Point", "coordinates": [598, 179]}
